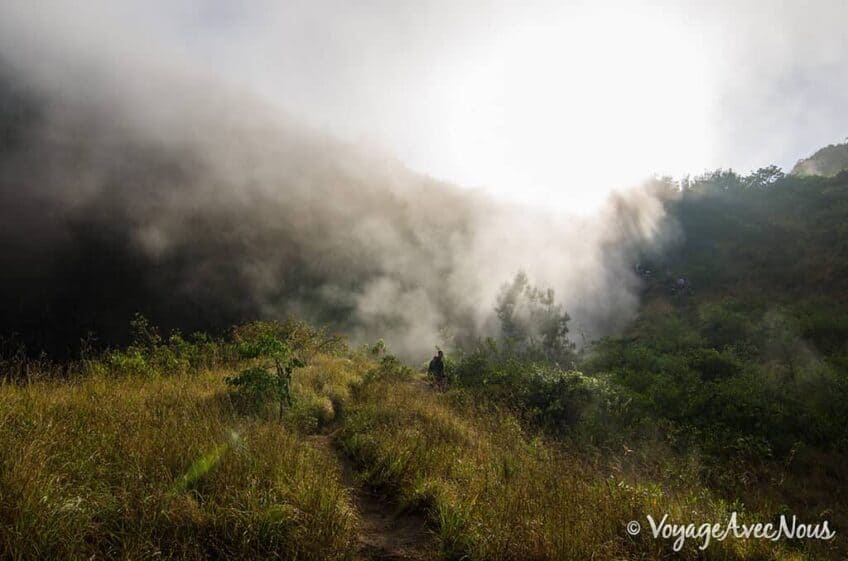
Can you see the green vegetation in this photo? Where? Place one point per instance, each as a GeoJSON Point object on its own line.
{"type": "Point", "coordinates": [728, 393]}
{"type": "Point", "coordinates": [755, 355]}
{"type": "Point", "coordinates": [137, 468]}
{"type": "Point", "coordinates": [494, 488]}
{"type": "Point", "coordinates": [255, 383]}
{"type": "Point", "coordinates": [519, 460]}
{"type": "Point", "coordinates": [145, 454]}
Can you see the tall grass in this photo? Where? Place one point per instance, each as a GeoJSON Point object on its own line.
{"type": "Point", "coordinates": [322, 390]}
{"type": "Point", "coordinates": [145, 453]}
{"type": "Point", "coordinates": [161, 467]}
{"type": "Point", "coordinates": [496, 492]}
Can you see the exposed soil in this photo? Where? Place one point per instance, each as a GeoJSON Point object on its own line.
{"type": "Point", "coordinates": [386, 532]}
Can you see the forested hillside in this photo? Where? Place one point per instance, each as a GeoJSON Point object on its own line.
{"type": "Point", "coordinates": [780, 236]}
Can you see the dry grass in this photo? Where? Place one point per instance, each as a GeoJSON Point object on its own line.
{"type": "Point", "coordinates": [139, 467]}
{"type": "Point", "coordinates": [495, 492]}
{"type": "Point", "coordinates": [321, 390]}
{"type": "Point", "coordinates": [160, 467]}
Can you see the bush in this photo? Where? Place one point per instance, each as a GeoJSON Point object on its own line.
{"type": "Point", "coordinates": [150, 354]}
{"type": "Point", "coordinates": [308, 340]}
{"type": "Point", "coordinates": [256, 384]}
{"type": "Point", "coordinates": [543, 392]}
{"type": "Point", "coordinates": [733, 370]}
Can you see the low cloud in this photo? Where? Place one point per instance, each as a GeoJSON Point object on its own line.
{"type": "Point", "coordinates": [134, 187]}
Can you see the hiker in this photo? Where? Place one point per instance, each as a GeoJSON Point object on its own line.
{"type": "Point", "coordinates": [284, 375]}
{"type": "Point", "coordinates": [682, 287]}
{"type": "Point", "coordinates": [437, 370]}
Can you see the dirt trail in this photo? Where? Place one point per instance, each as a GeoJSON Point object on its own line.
{"type": "Point", "coordinates": [386, 533]}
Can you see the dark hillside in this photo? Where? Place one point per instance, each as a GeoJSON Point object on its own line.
{"type": "Point", "coordinates": [784, 238]}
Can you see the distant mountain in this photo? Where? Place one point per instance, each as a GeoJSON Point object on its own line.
{"type": "Point", "coordinates": [827, 161]}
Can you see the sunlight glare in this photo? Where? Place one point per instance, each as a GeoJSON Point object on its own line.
{"type": "Point", "coordinates": [562, 113]}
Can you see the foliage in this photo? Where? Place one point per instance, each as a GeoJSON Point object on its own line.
{"type": "Point", "coordinates": [532, 322]}
{"type": "Point", "coordinates": [765, 234]}
{"type": "Point", "coordinates": [764, 177]}
{"type": "Point", "coordinates": [739, 375]}
{"type": "Point", "coordinates": [257, 384]}
{"type": "Point", "coordinates": [494, 490]}
{"type": "Point", "coordinates": [151, 354]}
{"type": "Point", "coordinates": [153, 465]}
{"type": "Point", "coordinates": [294, 333]}
{"type": "Point", "coordinates": [541, 391]}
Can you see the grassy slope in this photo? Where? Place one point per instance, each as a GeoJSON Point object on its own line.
{"type": "Point", "coordinates": [495, 490]}
{"type": "Point", "coordinates": [165, 466]}
{"type": "Point", "coordinates": [168, 467]}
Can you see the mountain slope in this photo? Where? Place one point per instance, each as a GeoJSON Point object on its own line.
{"type": "Point", "coordinates": [827, 161]}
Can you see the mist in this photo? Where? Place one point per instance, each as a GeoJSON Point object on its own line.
{"type": "Point", "coordinates": [139, 183]}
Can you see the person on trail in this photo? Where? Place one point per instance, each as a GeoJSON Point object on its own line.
{"type": "Point", "coordinates": [437, 370]}
{"type": "Point", "coordinates": [682, 287]}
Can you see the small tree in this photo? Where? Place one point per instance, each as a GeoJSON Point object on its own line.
{"type": "Point", "coordinates": [764, 177]}
{"type": "Point", "coordinates": [532, 320]}
{"type": "Point", "coordinates": [258, 383]}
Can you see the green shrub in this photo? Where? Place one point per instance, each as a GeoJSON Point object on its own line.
{"type": "Point", "coordinates": [543, 392]}
{"type": "Point", "coordinates": [257, 384]}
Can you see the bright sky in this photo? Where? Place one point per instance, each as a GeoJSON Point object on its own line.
{"type": "Point", "coordinates": [552, 103]}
